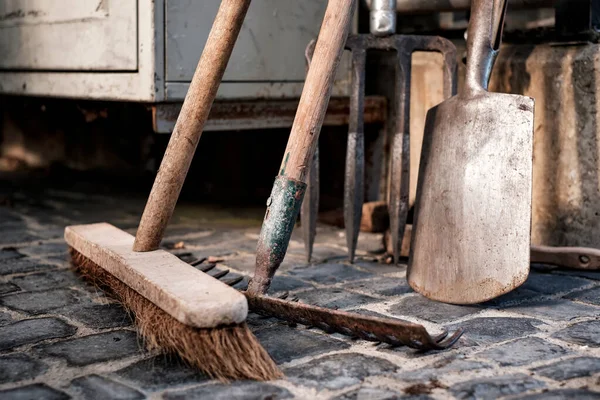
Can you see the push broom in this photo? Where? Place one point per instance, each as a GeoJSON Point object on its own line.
{"type": "Point", "coordinates": [178, 309]}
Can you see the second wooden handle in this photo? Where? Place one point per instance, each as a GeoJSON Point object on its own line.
{"type": "Point", "coordinates": [190, 123]}
{"type": "Point", "coordinates": [317, 90]}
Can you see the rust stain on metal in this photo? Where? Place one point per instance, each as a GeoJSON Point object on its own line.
{"type": "Point", "coordinates": [375, 329]}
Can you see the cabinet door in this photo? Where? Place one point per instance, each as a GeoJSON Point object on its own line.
{"type": "Point", "coordinates": [68, 35]}
{"type": "Point", "coordinates": [270, 46]}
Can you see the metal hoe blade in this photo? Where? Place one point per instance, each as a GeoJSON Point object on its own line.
{"type": "Point", "coordinates": [374, 329]}
{"type": "Point", "coordinates": [386, 330]}
{"type": "Point", "coordinates": [404, 46]}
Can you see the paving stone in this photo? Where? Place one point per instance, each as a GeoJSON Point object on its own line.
{"type": "Point", "coordinates": [17, 236]}
{"type": "Point", "coordinates": [285, 344]}
{"type": "Point", "coordinates": [379, 394]}
{"type": "Point", "coordinates": [562, 394]}
{"type": "Point", "coordinates": [443, 366]}
{"type": "Point", "coordinates": [496, 329]}
{"type": "Point", "coordinates": [8, 253]}
{"type": "Point", "coordinates": [234, 391]}
{"type": "Point", "coordinates": [47, 280]}
{"type": "Point", "coordinates": [594, 275]}
{"type": "Point", "coordinates": [160, 372]}
{"type": "Point", "coordinates": [591, 296]}
{"type": "Point", "coordinates": [493, 388]}
{"type": "Point", "coordinates": [381, 286]}
{"type": "Point", "coordinates": [326, 274]}
{"type": "Point", "coordinates": [38, 391]}
{"type": "Point", "coordinates": [421, 307]}
{"type": "Point", "coordinates": [44, 249]}
{"type": "Point", "coordinates": [549, 284]}
{"type": "Point", "coordinates": [557, 310]}
{"type": "Point", "coordinates": [93, 387]}
{"type": "Point", "coordinates": [99, 316]}
{"type": "Point", "coordinates": [19, 367]}
{"type": "Point", "coordinates": [583, 333]}
{"type": "Point", "coordinates": [569, 369]}
{"type": "Point", "coordinates": [334, 298]}
{"type": "Point", "coordinates": [32, 331]}
{"type": "Point", "coordinates": [41, 302]}
{"type": "Point", "coordinates": [5, 319]}
{"type": "Point", "coordinates": [6, 288]}
{"type": "Point", "coordinates": [338, 371]}
{"type": "Point", "coordinates": [523, 352]}
{"type": "Point", "coordinates": [282, 283]}
{"type": "Point", "coordinates": [23, 265]}
{"type": "Point", "coordinates": [517, 296]}
{"type": "Point", "coordinates": [94, 348]}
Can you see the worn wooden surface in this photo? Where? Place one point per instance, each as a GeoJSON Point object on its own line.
{"type": "Point", "coordinates": [187, 294]}
{"type": "Point", "coordinates": [190, 123]}
{"type": "Point", "coordinates": [317, 90]}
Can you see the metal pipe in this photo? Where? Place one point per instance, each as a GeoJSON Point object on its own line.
{"type": "Point", "coordinates": [382, 21]}
{"type": "Point", "coordinates": [428, 6]}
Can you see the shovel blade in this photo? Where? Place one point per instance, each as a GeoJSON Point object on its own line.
{"type": "Point", "coordinates": [473, 212]}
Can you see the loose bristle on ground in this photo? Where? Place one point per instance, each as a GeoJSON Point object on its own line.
{"type": "Point", "coordinates": [224, 353]}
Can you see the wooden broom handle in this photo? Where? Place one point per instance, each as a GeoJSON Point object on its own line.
{"type": "Point", "coordinates": [304, 136]}
{"type": "Point", "coordinates": [190, 123]}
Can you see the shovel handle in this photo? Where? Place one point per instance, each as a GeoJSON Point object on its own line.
{"type": "Point", "coordinates": [190, 123]}
{"type": "Point", "coordinates": [484, 36]}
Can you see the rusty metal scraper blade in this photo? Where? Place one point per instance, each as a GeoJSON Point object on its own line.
{"type": "Point", "coordinates": [374, 329]}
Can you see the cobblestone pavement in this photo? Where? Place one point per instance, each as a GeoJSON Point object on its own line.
{"type": "Point", "coordinates": [61, 338]}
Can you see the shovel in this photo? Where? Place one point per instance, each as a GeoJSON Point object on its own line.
{"type": "Point", "coordinates": [473, 209]}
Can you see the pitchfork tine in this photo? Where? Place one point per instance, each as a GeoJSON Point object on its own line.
{"type": "Point", "coordinates": [400, 174]}
{"type": "Point", "coordinates": [310, 207]}
{"type": "Point", "coordinates": [355, 154]}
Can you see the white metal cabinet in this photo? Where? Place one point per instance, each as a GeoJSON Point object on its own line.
{"type": "Point", "coordinates": [59, 35]}
{"type": "Point", "coordinates": [147, 50]}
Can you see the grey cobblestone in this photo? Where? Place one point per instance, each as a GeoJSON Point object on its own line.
{"type": "Point", "coordinates": [558, 310]}
{"type": "Point", "coordinates": [235, 391]}
{"type": "Point", "coordinates": [327, 274]}
{"type": "Point", "coordinates": [99, 316]}
{"type": "Point", "coordinates": [6, 288]}
{"type": "Point", "coordinates": [38, 391]}
{"type": "Point", "coordinates": [94, 348]}
{"type": "Point", "coordinates": [569, 369]}
{"type": "Point", "coordinates": [563, 394]}
{"type": "Point", "coordinates": [591, 296]}
{"type": "Point", "coordinates": [160, 372]}
{"type": "Point", "coordinates": [47, 280]}
{"type": "Point", "coordinates": [430, 310]}
{"type": "Point", "coordinates": [583, 333]}
{"type": "Point", "coordinates": [523, 352]}
{"type": "Point", "coordinates": [486, 330]}
{"type": "Point", "coordinates": [285, 344]}
{"type": "Point", "coordinates": [339, 371]}
{"type": "Point", "coordinates": [41, 302]}
{"type": "Point", "coordinates": [381, 286]}
{"type": "Point", "coordinates": [32, 331]}
{"type": "Point", "coordinates": [94, 387]}
{"type": "Point", "coordinates": [527, 343]}
{"type": "Point", "coordinates": [19, 367]}
{"type": "Point", "coordinates": [335, 298]}
{"type": "Point", "coordinates": [493, 388]}
{"type": "Point", "coordinates": [23, 265]}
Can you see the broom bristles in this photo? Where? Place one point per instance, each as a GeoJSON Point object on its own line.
{"type": "Point", "coordinates": [224, 353]}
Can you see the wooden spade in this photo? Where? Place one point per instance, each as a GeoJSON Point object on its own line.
{"type": "Point", "coordinates": [473, 210]}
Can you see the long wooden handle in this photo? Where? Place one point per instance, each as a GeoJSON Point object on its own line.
{"type": "Point", "coordinates": [568, 257]}
{"type": "Point", "coordinates": [317, 90]}
{"type": "Point", "coordinates": [190, 123]}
